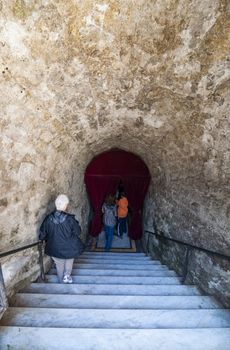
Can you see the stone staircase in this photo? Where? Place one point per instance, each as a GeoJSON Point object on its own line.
{"type": "Point", "coordinates": [118, 301]}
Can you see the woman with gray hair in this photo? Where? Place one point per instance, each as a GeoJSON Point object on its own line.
{"type": "Point", "coordinates": [61, 232]}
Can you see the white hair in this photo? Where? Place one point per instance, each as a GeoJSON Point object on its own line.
{"type": "Point", "coordinates": [61, 202]}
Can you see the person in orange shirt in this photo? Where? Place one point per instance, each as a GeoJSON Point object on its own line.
{"type": "Point", "coordinates": [122, 213]}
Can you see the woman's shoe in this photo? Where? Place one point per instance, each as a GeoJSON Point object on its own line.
{"type": "Point", "coordinates": [67, 279]}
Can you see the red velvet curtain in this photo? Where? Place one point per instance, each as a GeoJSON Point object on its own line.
{"type": "Point", "coordinates": [98, 187]}
{"type": "Point", "coordinates": [102, 177]}
{"type": "Point", "coordinates": [135, 190]}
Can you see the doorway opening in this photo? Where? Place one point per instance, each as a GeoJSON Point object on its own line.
{"type": "Point", "coordinates": [113, 171]}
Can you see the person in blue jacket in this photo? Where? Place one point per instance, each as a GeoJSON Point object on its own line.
{"type": "Point", "coordinates": [61, 232]}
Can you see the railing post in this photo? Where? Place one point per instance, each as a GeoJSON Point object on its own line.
{"type": "Point", "coordinates": [3, 297]}
{"type": "Point", "coordinates": [147, 244]}
{"type": "Point", "coordinates": [42, 272]}
{"type": "Point", "coordinates": [185, 269]}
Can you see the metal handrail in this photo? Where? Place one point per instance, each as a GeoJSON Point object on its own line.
{"type": "Point", "coordinates": [188, 246]}
{"type": "Point", "coordinates": [220, 255]}
{"type": "Point", "coordinates": [16, 250]}
{"type": "Point", "coordinates": [3, 296]}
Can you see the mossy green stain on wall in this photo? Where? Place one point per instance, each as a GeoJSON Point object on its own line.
{"type": "Point", "coordinates": [21, 10]}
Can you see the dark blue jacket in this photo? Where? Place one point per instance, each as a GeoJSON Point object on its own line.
{"type": "Point", "coordinates": [61, 232]}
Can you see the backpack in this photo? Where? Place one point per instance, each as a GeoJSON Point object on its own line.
{"type": "Point", "coordinates": [109, 215]}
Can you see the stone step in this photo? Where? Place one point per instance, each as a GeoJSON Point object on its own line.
{"type": "Point", "coordinates": [119, 319]}
{"type": "Point", "coordinates": [22, 338]}
{"type": "Point", "coordinates": [136, 255]}
{"type": "Point", "coordinates": [112, 257]}
{"type": "Point", "coordinates": [103, 289]}
{"type": "Point", "coordinates": [120, 267]}
{"type": "Point", "coordinates": [117, 266]}
{"type": "Point", "coordinates": [164, 272]}
{"type": "Point", "coordinates": [118, 262]}
{"type": "Point", "coordinates": [118, 280]}
{"type": "Point", "coordinates": [113, 301]}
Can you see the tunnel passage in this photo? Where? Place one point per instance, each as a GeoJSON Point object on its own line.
{"type": "Point", "coordinates": [152, 79]}
{"type": "Point", "coordinates": [103, 176]}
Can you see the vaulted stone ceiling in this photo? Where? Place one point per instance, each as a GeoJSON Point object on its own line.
{"type": "Point", "coordinates": [152, 77]}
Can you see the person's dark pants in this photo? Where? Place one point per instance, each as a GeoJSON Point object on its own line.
{"type": "Point", "coordinates": [109, 230]}
{"type": "Point", "coordinates": [122, 226]}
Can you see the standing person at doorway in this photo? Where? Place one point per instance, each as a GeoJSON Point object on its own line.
{"type": "Point", "coordinates": [61, 232]}
{"type": "Point", "coordinates": [122, 213]}
{"type": "Point", "coordinates": [109, 220]}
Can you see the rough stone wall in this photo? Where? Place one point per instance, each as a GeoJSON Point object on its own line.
{"type": "Point", "coordinates": [150, 77]}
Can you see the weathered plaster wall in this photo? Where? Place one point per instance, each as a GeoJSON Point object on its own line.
{"type": "Point", "coordinates": [151, 77]}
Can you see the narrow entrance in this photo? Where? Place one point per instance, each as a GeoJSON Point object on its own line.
{"type": "Point", "coordinates": [103, 176]}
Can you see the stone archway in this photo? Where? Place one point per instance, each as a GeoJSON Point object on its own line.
{"type": "Point", "coordinates": [141, 77]}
